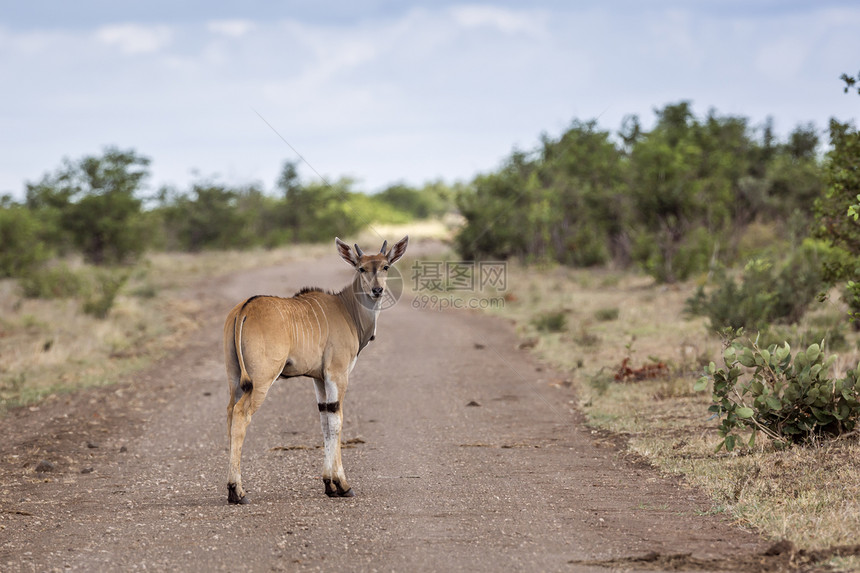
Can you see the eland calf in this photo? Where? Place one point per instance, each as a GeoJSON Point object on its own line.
{"type": "Point", "coordinates": [316, 334]}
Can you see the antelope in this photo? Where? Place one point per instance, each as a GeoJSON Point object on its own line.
{"type": "Point", "coordinates": [316, 334]}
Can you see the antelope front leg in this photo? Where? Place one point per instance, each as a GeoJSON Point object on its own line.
{"type": "Point", "coordinates": [330, 401]}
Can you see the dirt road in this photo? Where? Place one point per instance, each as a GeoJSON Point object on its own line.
{"type": "Point", "coordinates": [136, 474]}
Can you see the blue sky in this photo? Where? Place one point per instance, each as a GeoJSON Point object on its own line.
{"type": "Point", "coordinates": [387, 91]}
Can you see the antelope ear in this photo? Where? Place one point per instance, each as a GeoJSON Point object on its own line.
{"type": "Point", "coordinates": [345, 252]}
{"type": "Point", "coordinates": [397, 250]}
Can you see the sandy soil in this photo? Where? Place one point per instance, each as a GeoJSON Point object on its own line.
{"type": "Point", "coordinates": [133, 477]}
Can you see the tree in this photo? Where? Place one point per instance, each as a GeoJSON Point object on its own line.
{"type": "Point", "coordinates": [850, 82]}
{"type": "Point", "coordinates": [667, 191]}
{"type": "Point", "coordinates": [94, 205]}
{"type": "Point", "coordinates": [837, 210]}
{"type": "Point", "coordinates": [207, 217]}
{"type": "Point", "coordinates": [20, 236]}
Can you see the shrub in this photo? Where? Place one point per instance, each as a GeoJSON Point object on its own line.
{"type": "Point", "coordinates": [606, 314]}
{"type": "Point", "coordinates": [551, 322]}
{"type": "Point", "coordinates": [105, 288]}
{"type": "Point", "coordinates": [791, 400]}
{"type": "Point", "coordinates": [58, 281]}
{"type": "Point", "coordinates": [94, 205]}
{"type": "Point", "coordinates": [764, 294]}
{"type": "Point", "coordinates": [97, 288]}
{"type": "Point", "coordinates": [19, 235]}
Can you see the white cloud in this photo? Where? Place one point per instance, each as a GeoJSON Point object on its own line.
{"type": "Point", "coordinates": [134, 38]}
{"type": "Point", "coordinates": [231, 28]}
{"type": "Point", "coordinates": [407, 94]}
{"type": "Point", "coordinates": [502, 19]}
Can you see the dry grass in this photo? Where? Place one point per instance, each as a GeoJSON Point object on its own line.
{"type": "Point", "coordinates": [806, 495]}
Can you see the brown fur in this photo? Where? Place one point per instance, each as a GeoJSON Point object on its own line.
{"type": "Point", "coordinates": [316, 334]}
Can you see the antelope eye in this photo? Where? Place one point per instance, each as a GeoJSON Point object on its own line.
{"type": "Point", "coordinates": [385, 268]}
{"type": "Point", "coordinates": [362, 270]}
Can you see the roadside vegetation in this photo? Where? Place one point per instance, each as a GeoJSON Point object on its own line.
{"type": "Point", "coordinates": [731, 358]}
{"type": "Point", "coordinates": [698, 283]}
{"type": "Point", "coordinates": [635, 375]}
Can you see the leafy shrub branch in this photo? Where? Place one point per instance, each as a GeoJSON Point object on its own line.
{"type": "Point", "coordinates": [792, 400]}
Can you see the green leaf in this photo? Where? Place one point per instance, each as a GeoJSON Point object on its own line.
{"type": "Point", "coordinates": [823, 417]}
{"type": "Point", "coordinates": [813, 352]}
{"type": "Point", "coordinates": [730, 443]}
{"type": "Point", "coordinates": [766, 355]}
{"type": "Point", "coordinates": [701, 384]}
{"type": "Point", "coordinates": [744, 412]}
{"type": "Point", "coordinates": [747, 358]}
{"type": "Point", "coordinates": [751, 443]}
{"type": "Point", "coordinates": [720, 445]}
{"type": "Point", "coordinates": [773, 403]}
{"type": "Point", "coordinates": [800, 360]}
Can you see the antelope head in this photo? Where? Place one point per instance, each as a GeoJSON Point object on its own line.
{"type": "Point", "coordinates": [372, 269]}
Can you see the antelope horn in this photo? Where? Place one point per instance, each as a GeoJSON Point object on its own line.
{"type": "Point", "coordinates": [358, 250]}
{"type": "Point", "coordinates": [382, 250]}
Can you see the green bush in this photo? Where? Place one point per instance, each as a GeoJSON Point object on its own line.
{"type": "Point", "coordinates": [97, 288]}
{"type": "Point", "coordinates": [105, 287]}
{"type": "Point", "coordinates": [208, 216]}
{"type": "Point", "coordinates": [831, 336]}
{"type": "Point", "coordinates": [56, 281]}
{"type": "Point", "coordinates": [372, 209]}
{"type": "Point", "coordinates": [22, 249]}
{"type": "Point", "coordinates": [791, 400]}
{"type": "Point", "coordinates": [606, 314]}
{"type": "Point", "coordinates": [551, 322]}
{"type": "Point", "coordinates": [764, 295]}
{"type": "Point", "coordinates": [94, 206]}
{"type": "Point", "coordinates": [433, 200]}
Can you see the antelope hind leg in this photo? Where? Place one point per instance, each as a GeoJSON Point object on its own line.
{"type": "Point", "coordinates": [243, 411]}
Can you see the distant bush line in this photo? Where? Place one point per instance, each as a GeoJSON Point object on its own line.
{"type": "Point", "coordinates": [97, 207]}
{"type": "Point", "coordinates": [692, 196]}
{"type": "Point", "coordinates": [673, 200]}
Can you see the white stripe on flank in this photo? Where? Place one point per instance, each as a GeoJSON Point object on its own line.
{"type": "Point", "coordinates": [319, 326]}
{"type": "Point", "coordinates": [322, 310]}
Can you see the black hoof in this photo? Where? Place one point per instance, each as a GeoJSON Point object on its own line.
{"type": "Point", "coordinates": [233, 497]}
{"type": "Point", "coordinates": [333, 489]}
{"type": "Point", "coordinates": [329, 488]}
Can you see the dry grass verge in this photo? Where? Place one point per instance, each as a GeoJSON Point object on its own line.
{"type": "Point", "coordinates": [598, 319]}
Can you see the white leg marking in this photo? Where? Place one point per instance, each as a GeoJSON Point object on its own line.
{"type": "Point", "coordinates": [331, 394]}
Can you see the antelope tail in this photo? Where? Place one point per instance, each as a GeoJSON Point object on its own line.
{"type": "Point", "coordinates": [245, 381]}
